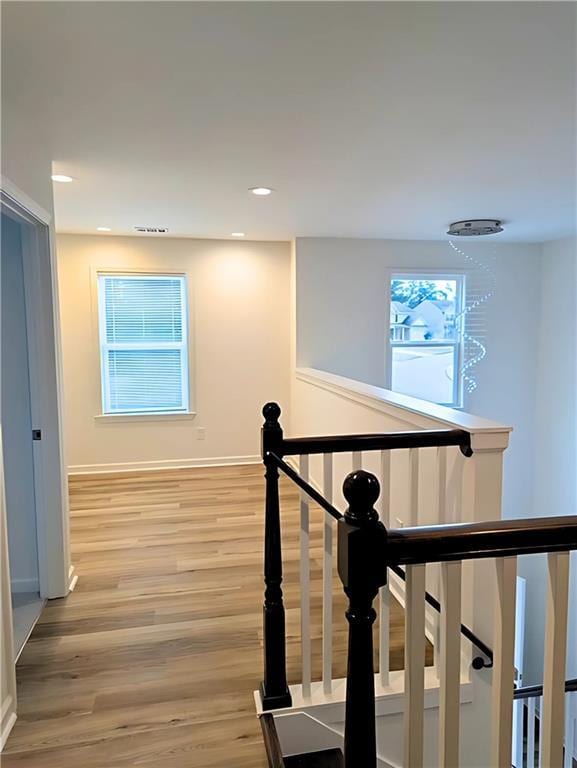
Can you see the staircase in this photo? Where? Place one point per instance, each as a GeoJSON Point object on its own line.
{"type": "Point", "coordinates": [322, 746]}
{"type": "Point", "coordinates": [461, 711]}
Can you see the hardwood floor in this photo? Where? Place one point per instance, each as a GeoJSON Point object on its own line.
{"type": "Point", "coordinates": [152, 660]}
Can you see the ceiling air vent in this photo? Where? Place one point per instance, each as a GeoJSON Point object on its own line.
{"type": "Point", "coordinates": [152, 230]}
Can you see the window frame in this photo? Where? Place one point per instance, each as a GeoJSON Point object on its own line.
{"type": "Point", "coordinates": [458, 345]}
{"type": "Point", "coordinates": [102, 347]}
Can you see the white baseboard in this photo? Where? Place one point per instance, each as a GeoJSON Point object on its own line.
{"type": "Point", "coordinates": [24, 585]}
{"type": "Point", "coordinates": [8, 720]}
{"type": "Point", "coordinates": [140, 466]}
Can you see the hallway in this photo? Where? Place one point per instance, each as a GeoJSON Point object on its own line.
{"type": "Point", "coordinates": [152, 660]}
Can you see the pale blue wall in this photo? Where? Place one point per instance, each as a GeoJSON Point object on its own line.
{"type": "Point", "coordinates": [16, 417]}
{"type": "Point", "coordinates": [556, 437]}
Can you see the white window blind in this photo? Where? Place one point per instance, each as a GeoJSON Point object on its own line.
{"type": "Point", "coordinates": [143, 343]}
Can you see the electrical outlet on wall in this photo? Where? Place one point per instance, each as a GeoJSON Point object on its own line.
{"type": "Point", "coordinates": [200, 433]}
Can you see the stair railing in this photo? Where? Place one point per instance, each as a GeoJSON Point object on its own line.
{"type": "Point", "coordinates": [504, 541]}
{"type": "Point", "coordinates": [527, 747]}
{"type": "Point", "coordinates": [275, 693]}
{"type": "Point", "coordinates": [366, 551]}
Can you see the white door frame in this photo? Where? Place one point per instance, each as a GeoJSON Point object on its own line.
{"type": "Point", "coordinates": [56, 575]}
{"type": "Point", "coordinates": [7, 667]}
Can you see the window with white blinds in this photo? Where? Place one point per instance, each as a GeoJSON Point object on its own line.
{"type": "Point", "coordinates": [143, 343]}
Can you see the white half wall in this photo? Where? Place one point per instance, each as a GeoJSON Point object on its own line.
{"type": "Point", "coordinates": [341, 286]}
{"type": "Point", "coordinates": [239, 325]}
{"type": "Point", "coordinates": [324, 404]}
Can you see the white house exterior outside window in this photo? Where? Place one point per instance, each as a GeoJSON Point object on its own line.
{"type": "Point", "coordinates": [143, 328]}
{"type": "Point", "coordinates": [425, 344]}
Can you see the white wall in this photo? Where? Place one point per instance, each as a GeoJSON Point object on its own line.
{"type": "Point", "coordinates": [240, 336]}
{"type": "Point", "coordinates": [341, 327]}
{"type": "Point", "coordinates": [556, 434]}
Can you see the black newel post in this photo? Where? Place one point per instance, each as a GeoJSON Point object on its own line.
{"type": "Point", "coordinates": [361, 562]}
{"type": "Point", "coordinates": [274, 688]}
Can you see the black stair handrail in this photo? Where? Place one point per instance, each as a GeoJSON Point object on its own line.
{"type": "Point", "coordinates": [473, 541]}
{"type": "Point", "coordinates": [307, 487]}
{"type": "Point", "coordinates": [534, 691]}
{"type": "Point", "coordinates": [478, 662]}
{"type": "Point", "coordinates": [271, 741]}
{"type": "Point", "coordinates": [388, 441]}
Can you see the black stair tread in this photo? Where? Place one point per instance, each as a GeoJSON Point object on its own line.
{"type": "Point", "coordinates": [327, 758]}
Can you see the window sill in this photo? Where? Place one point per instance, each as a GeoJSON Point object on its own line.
{"type": "Point", "coordinates": [131, 417]}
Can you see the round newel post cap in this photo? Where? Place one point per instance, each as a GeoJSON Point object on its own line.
{"type": "Point", "coordinates": [361, 489]}
{"type": "Point", "coordinates": [271, 413]}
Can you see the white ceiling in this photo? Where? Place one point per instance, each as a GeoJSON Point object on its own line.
{"type": "Point", "coordinates": [369, 119]}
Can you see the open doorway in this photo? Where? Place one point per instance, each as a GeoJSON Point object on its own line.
{"type": "Point", "coordinates": [18, 432]}
{"type": "Point", "coordinates": [37, 564]}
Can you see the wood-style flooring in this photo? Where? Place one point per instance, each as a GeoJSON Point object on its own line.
{"type": "Point", "coordinates": [153, 659]}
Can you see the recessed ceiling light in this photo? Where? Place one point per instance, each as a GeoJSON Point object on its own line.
{"type": "Point", "coordinates": [103, 229]}
{"type": "Point", "coordinates": [261, 191]}
{"type": "Point", "coordinates": [60, 177]}
{"type": "Point", "coordinates": [237, 234]}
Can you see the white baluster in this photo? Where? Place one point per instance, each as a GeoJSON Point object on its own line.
{"type": "Point", "coordinates": [357, 460]}
{"type": "Point", "coordinates": [503, 665]}
{"type": "Point", "coordinates": [553, 716]}
{"type": "Point", "coordinates": [440, 517]}
{"type": "Point", "coordinates": [573, 706]}
{"type": "Point", "coordinates": [540, 735]}
{"type": "Point", "coordinates": [385, 497]}
{"type": "Point", "coordinates": [384, 629]}
{"type": "Point", "coordinates": [569, 735]}
{"type": "Point", "coordinates": [442, 484]}
{"type": "Point", "coordinates": [450, 672]}
{"type": "Point", "coordinates": [414, 666]}
{"type": "Point", "coordinates": [531, 733]}
{"type": "Point", "coordinates": [328, 578]}
{"type": "Point", "coordinates": [413, 486]}
{"type": "Point", "coordinates": [519, 704]}
{"type": "Point", "coordinates": [384, 592]}
{"type": "Point", "coordinates": [518, 709]}
{"type": "Point", "coordinates": [305, 582]}
{"type": "Point", "coordinates": [454, 495]}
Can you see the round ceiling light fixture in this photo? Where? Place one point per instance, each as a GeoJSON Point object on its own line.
{"type": "Point", "coordinates": [261, 191]}
{"type": "Point", "coordinates": [103, 229]}
{"type": "Point", "coordinates": [237, 234]}
{"type": "Point", "coordinates": [61, 178]}
{"type": "Point", "coordinates": [475, 227]}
